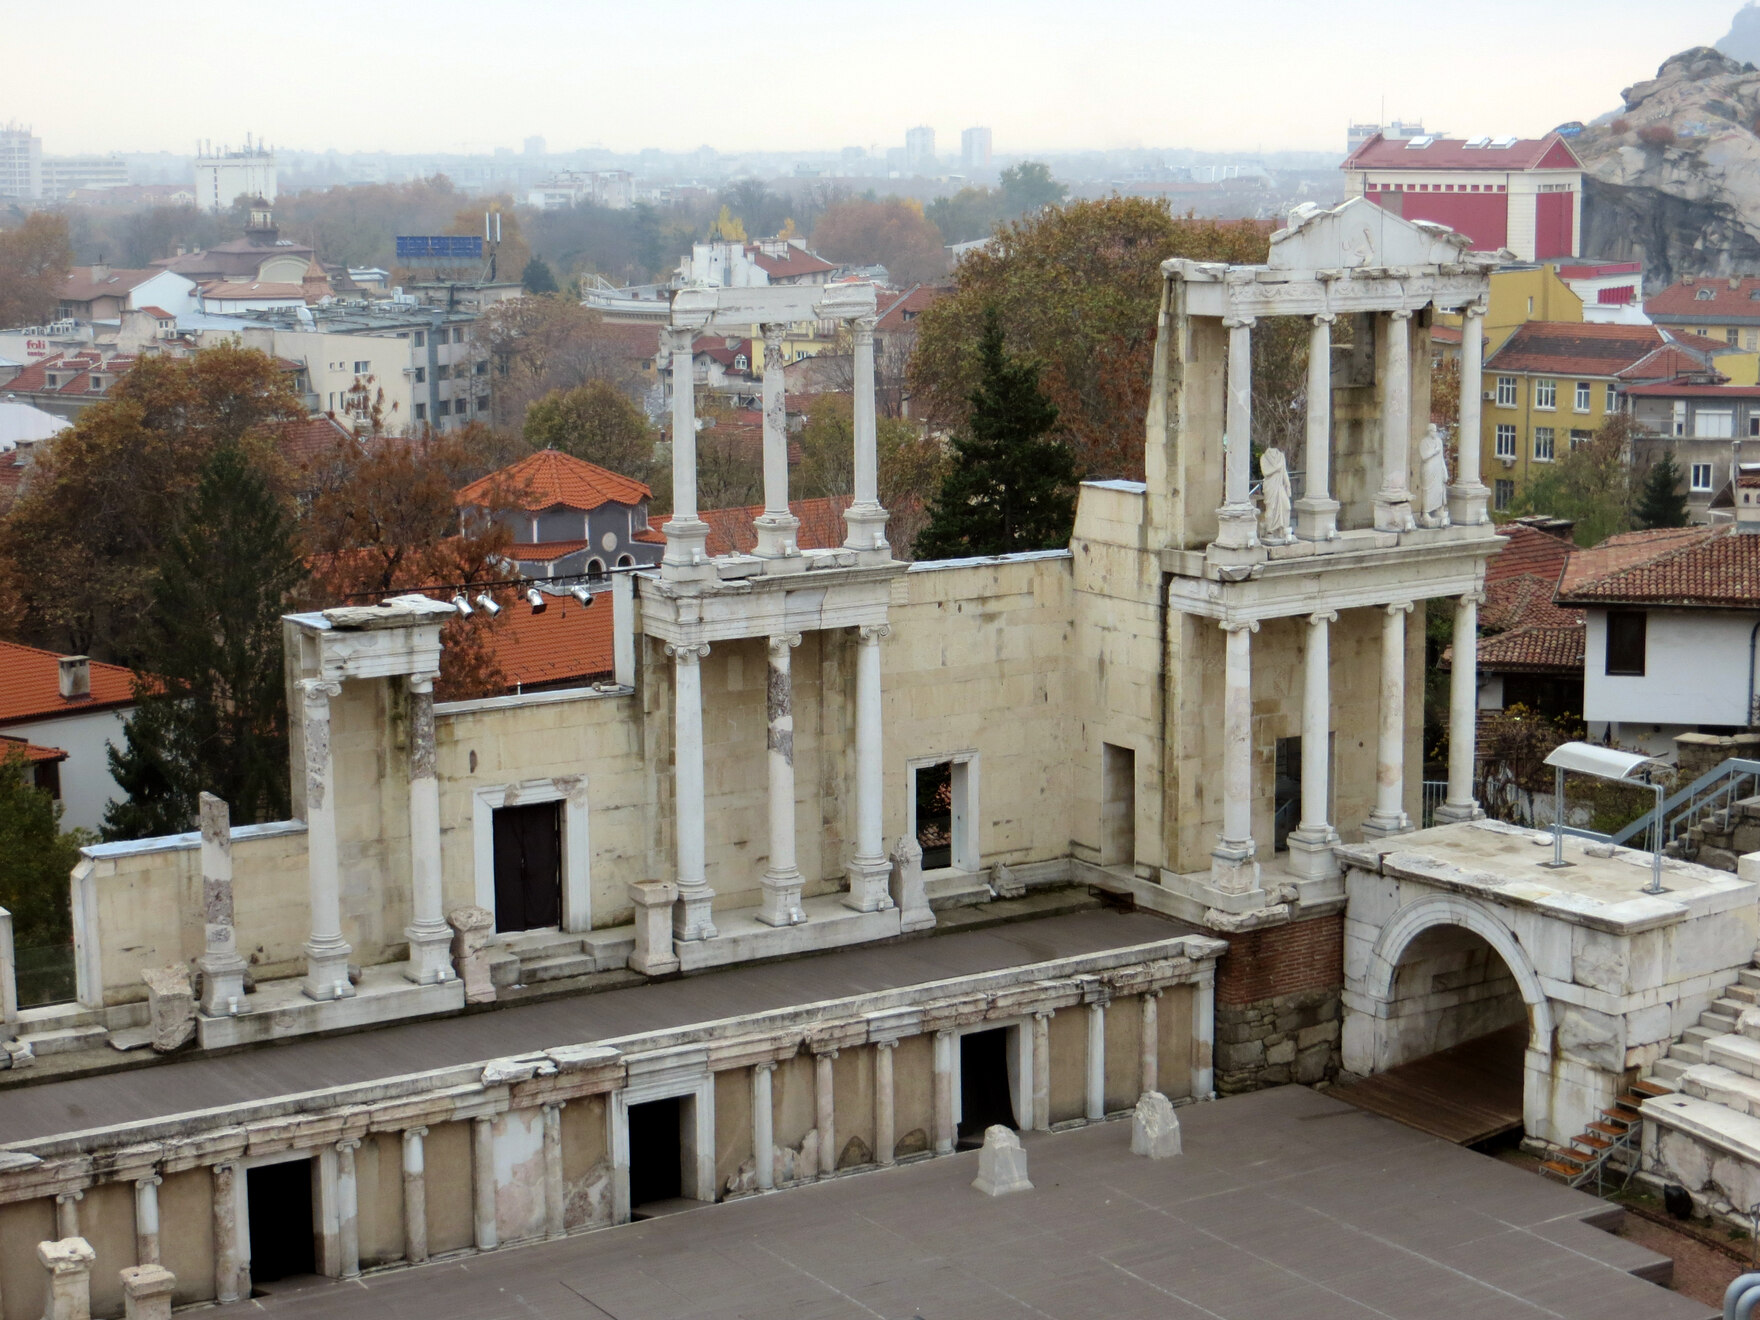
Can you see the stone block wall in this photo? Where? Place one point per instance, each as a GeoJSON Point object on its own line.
{"type": "Point", "coordinates": [1278, 1006]}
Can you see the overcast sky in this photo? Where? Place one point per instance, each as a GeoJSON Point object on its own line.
{"type": "Point", "coordinates": [443, 75]}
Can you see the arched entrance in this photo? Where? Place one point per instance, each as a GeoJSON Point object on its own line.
{"type": "Point", "coordinates": [1448, 1008]}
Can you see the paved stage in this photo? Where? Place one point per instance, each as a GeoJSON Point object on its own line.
{"type": "Point", "coordinates": [1286, 1205]}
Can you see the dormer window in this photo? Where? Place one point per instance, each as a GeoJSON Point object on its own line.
{"type": "Point", "coordinates": [1706, 294]}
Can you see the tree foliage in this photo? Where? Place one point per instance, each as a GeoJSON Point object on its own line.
{"type": "Point", "coordinates": [358, 224]}
{"type": "Point", "coordinates": [892, 233]}
{"type": "Point", "coordinates": [1010, 484]}
{"type": "Point", "coordinates": [211, 710]}
{"type": "Point", "coordinates": [911, 464]}
{"type": "Point", "coordinates": [1077, 290]}
{"type": "Point", "coordinates": [1591, 485]}
{"type": "Point", "coordinates": [538, 277]}
{"type": "Point", "coordinates": [35, 857]}
{"type": "Point", "coordinates": [34, 259]}
{"type": "Point", "coordinates": [1661, 501]}
{"type": "Point", "coordinates": [598, 423]}
{"type": "Point", "coordinates": [973, 213]}
{"type": "Point", "coordinates": [543, 343]}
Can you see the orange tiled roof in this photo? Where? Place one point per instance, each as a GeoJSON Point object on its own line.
{"type": "Point", "coordinates": [550, 478]}
{"type": "Point", "coordinates": [563, 643]}
{"type": "Point", "coordinates": [1528, 550]}
{"type": "Point", "coordinates": [796, 261]}
{"type": "Point", "coordinates": [79, 286]}
{"type": "Point", "coordinates": [1535, 649]}
{"type": "Point", "coordinates": [301, 442]}
{"type": "Point", "coordinates": [1571, 348]}
{"type": "Point", "coordinates": [34, 754]}
{"type": "Point", "coordinates": [1731, 300]}
{"type": "Point", "coordinates": [30, 685]}
{"type": "Point", "coordinates": [731, 532]}
{"type": "Point", "coordinates": [1695, 566]}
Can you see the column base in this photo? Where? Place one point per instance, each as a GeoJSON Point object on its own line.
{"type": "Point", "coordinates": [778, 538]}
{"type": "Point", "coordinates": [430, 953]}
{"type": "Point", "coordinates": [1393, 512]}
{"type": "Point", "coordinates": [691, 918]}
{"type": "Point", "coordinates": [1311, 856]}
{"type": "Point", "coordinates": [781, 905]}
{"type": "Point", "coordinates": [1316, 520]}
{"type": "Point", "coordinates": [222, 983]}
{"type": "Point", "coordinates": [1237, 527]}
{"type": "Point", "coordinates": [1468, 504]}
{"type": "Point", "coordinates": [687, 551]}
{"type": "Point", "coordinates": [1234, 868]}
{"type": "Point", "coordinates": [865, 531]}
{"type": "Point", "coordinates": [1383, 827]}
{"type": "Point", "coordinates": [1453, 813]}
{"type": "Point", "coordinates": [870, 888]}
{"type": "Point", "coordinates": [326, 975]}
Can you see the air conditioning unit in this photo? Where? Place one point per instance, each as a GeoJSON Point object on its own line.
{"type": "Point", "coordinates": [1490, 396]}
{"type": "Point", "coordinates": [1507, 462]}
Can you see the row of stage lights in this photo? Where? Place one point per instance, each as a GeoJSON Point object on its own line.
{"type": "Point", "coordinates": [486, 603]}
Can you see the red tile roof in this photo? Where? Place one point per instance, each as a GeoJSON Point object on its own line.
{"type": "Point", "coordinates": [32, 753]}
{"type": "Point", "coordinates": [551, 478]}
{"type": "Point", "coordinates": [565, 643]}
{"type": "Point", "coordinates": [794, 263]}
{"type": "Point", "coordinates": [1381, 153]}
{"type": "Point", "coordinates": [239, 291]}
{"type": "Point", "coordinates": [79, 286]}
{"type": "Point", "coordinates": [1534, 650]}
{"type": "Point", "coordinates": [1528, 550]}
{"type": "Point", "coordinates": [30, 685]}
{"type": "Point", "coordinates": [902, 310]}
{"type": "Point", "coordinates": [731, 532]}
{"type": "Point", "coordinates": [159, 312]}
{"type": "Point", "coordinates": [1670, 389]}
{"type": "Point", "coordinates": [302, 442]}
{"type": "Point", "coordinates": [1731, 301]}
{"type": "Point", "coordinates": [1577, 349]}
{"type": "Point", "coordinates": [1693, 566]}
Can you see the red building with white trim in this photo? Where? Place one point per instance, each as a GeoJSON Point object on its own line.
{"type": "Point", "coordinates": [1525, 194]}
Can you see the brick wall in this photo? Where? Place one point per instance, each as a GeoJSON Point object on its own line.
{"type": "Point", "coordinates": [1278, 1006]}
{"type": "Point", "coordinates": [1282, 960]}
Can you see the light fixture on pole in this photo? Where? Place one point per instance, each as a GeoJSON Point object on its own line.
{"type": "Point", "coordinates": [486, 603]}
{"type": "Point", "coordinates": [581, 594]}
{"type": "Point", "coordinates": [536, 599]}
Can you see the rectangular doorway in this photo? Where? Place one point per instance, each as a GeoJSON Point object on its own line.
{"type": "Point", "coordinates": [656, 1154]}
{"type": "Point", "coordinates": [985, 1096]}
{"type": "Point", "coordinates": [528, 866]}
{"type": "Point", "coordinates": [1118, 806]}
{"type": "Point", "coordinates": [934, 789]}
{"type": "Point", "coordinates": [283, 1236]}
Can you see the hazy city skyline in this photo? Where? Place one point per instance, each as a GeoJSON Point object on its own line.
{"type": "Point", "coordinates": [441, 76]}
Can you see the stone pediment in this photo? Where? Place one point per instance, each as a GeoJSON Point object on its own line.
{"type": "Point", "coordinates": [1360, 234]}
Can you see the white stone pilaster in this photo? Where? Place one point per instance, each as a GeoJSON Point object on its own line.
{"type": "Point", "coordinates": [227, 1266]}
{"type": "Point", "coordinates": [1389, 815]}
{"type": "Point", "coordinates": [764, 1124]}
{"type": "Point", "coordinates": [222, 968]}
{"type": "Point", "coordinates": [326, 951]}
{"type": "Point", "coordinates": [946, 1127]}
{"type": "Point", "coordinates": [825, 1109]}
{"type": "Point", "coordinates": [555, 1190]}
{"type": "Point", "coordinates": [348, 1208]}
{"type": "Point", "coordinates": [1469, 497]}
{"type": "Point", "coordinates": [1311, 843]}
{"type": "Point", "coordinates": [778, 530]}
{"type": "Point", "coordinates": [146, 1219]}
{"type": "Point", "coordinates": [483, 1183]}
{"type": "Point", "coordinates": [1149, 1042]}
{"type": "Point", "coordinates": [1096, 1106]}
{"type": "Point", "coordinates": [1233, 862]}
{"type": "Point", "coordinates": [415, 1195]}
{"type": "Point", "coordinates": [869, 870]}
{"type": "Point", "coordinates": [8, 973]}
{"type": "Point", "coordinates": [1237, 522]}
{"type": "Point", "coordinates": [430, 938]}
{"type": "Point", "coordinates": [691, 919]}
{"type": "Point", "coordinates": [1316, 513]}
{"type": "Point", "coordinates": [1463, 712]}
{"type": "Point", "coordinates": [885, 1104]}
{"type": "Point", "coordinates": [1042, 1070]}
{"type": "Point", "coordinates": [781, 884]}
{"type": "Point", "coordinates": [865, 520]}
{"type": "Point", "coordinates": [1204, 1036]}
{"type": "Point", "coordinates": [687, 535]}
{"type": "Point", "coordinates": [1393, 501]}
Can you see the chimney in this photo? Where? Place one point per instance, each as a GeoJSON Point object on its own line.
{"type": "Point", "coordinates": [100, 273]}
{"type": "Point", "coordinates": [76, 677]}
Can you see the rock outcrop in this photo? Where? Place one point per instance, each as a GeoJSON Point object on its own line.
{"type": "Point", "coordinates": [1673, 180]}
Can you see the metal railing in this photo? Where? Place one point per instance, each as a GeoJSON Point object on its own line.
{"type": "Point", "coordinates": [1715, 790]}
{"type": "Point", "coordinates": [1435, 794]}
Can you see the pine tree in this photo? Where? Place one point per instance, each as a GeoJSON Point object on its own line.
{"type": "Point", "coordinates": [35, 857]}
{"type": "Point", "coordinates": [211, 706]}
{"type": "Point", "coordinates": [538, 277]}
{"type": "Point", "coordinates": [1010, 486]}
{"type": "Point", "coordinates": [1661, 502]}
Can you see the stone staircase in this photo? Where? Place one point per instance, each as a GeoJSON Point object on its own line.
{"type": "Point", "coordinates": [549, 956]}
{"type": "Point", "coordinates": [1722, 836]}
{"type": "Point", "coordinates": [1718, 1020]}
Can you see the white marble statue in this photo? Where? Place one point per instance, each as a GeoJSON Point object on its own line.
{"type": "Point", "coordinates": [1433, 479]}
{"type": "Point", "coordinates": [1274, 491]}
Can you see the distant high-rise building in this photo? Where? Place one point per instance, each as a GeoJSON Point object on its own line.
{"type": "Point", "coordinates": [919, 149]}
{"type": "Point", "coordinates": [535, 146]}
{"type": "Point", "coordinates": [21, 163]}
{"type": "Point", "coordinates": [974, 149]}
{"type": "Point", "coordinates": [224, 175]}
{"type": "Point", "coordinates": [62, 174]}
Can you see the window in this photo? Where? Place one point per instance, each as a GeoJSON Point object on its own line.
{"type": "Point", "coordinates": [332, 400]}
{"type": "Point", "coordinates": [1751, 339]}
{"type": "Point", "coordinates": [942, 806]}
{"type": "Point", "coordinates": [421, 412]}
{"type": "Point", "coordinates": [1582, 396]}
{"type": "Point", "coordinates": [483, 404]}
{"type": "Point", "coordinates": [1546, 394]}
{"type": "Point", "coordinates": [442, 372]}
{"type": "Point", "coordinates": [1731, 335]}
{"type": "Point", "coordinates": [1679, 417]}
{"type": "Point", "coordinates": [362, 368]}
{"type": "Point", "coordinates": [1581, 438]}
{"type": "Point", "coordinates": [1506, 391]}
{"type": "Point", "coordinates": [1714, 423]}
{"type": "Point", "coordinates": [1543, 444]}
{"type": "Point", "coordinates": [458, 335]}
{"type": "Point", "coordinates": [1612, 402]}
{"type": "Point", "coordinates": [1754, 423]}
{"type": "Point", "coordinates": [1506, 441]}
{"type": "Point", "coordinates": [480, 369]}
{"type": "Point", "coordinates": [421, 375]}
{"type": "Point", "coordinates": [1625, 642]}
{"type": "Point", "coordinates": [421, 339]}
{"type": "Point", "coordinates": [1706, 294]}
{"type": "Point", "coordinates": [1700, 478]}
{"type": "Point", "coordinates": [443, 408]}
{"type": "Point", "coordinates": [1503, 491]}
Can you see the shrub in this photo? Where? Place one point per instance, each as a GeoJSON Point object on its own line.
{"type": "Point", "coordinates": [1656, 135]}
{"type": "Point", "coordinates": [1621, 125]}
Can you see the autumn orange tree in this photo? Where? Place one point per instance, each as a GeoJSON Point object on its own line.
{"type": "Point", "coordinates": [1077, 291]}
{"type": "Point", "coordinates": [892, 233]}
{"type": "Point", "coordinates": [34, 258]}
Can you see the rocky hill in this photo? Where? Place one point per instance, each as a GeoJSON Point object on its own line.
{"type": "Point", "coordinates": [1674, 178]}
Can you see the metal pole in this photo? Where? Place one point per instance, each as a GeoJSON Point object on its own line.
{"type": "Point", "coordinates": [1558, 815]}
{"type": "Point", "coordinates": [1656, 845]}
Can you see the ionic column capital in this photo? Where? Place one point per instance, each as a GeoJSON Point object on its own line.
{"type": "Point", "coordinates": [1319, 617]}
{"type": "Point", "coordinates": [1474, 597]}
{"type": "Point", "coordinates": [1323, 318]}
{"type": "Point", "coordinates": [1400, 314]}
{"type": "Point", "coordinates": [1475, 310]}
{"type": "Point", "coordinates": [767, 1066]}
{"type": "Point", "coordinates": [414, 1133]}
{"type": "Point", "coordinates": [689, 653]}
{"type": "Point", "coordinates": [826, 1054]}
{"type": "Point", "coordinates": [1154, 993]}
{"type": "Point", "coordinates": [680, 338]}
{"type": "Point", "coordinates": [71, 1197]}
{"type": "Point", "coordinates": [348, 1145]}
{"type": "Point", "coordinates": [1398, 607]}
{"type": "Point", "coordinates": [872, 634]}
{"type": "Point", "coordinates": [421, 684]}
{"type": "Point", "coordinates": [772, 332]}
{"type": "Point", "coordinates": [1044, 1014]}
{"type": "Point", "coordinates": [782, 643]}
{"type": "Point", "coordinates": [1239, 625]}
{"type": "Point", "coordinates": [886, 1043]}
{"type": "Point", "coordinates": [862, 329]}
{"type": "Point", "coordinates": [149, 1180]}
{"type": "Point", "coordinates": [1239, 322]}
{"type": "Point", "coordinates": [555, 1106]}
{"type": "Point", "coordinates": [319, 693]}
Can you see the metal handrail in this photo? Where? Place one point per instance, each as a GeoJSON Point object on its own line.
{"type": "Point", "coordinates": [1717, 783]}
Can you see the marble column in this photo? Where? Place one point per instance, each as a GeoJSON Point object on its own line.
{"type": "Point", "coordinates": [1149, 1042]}
{"type": "Point", "coordinates": [865, 520]}
{"type": "Point", "coordinates": [1316, 513]}
{"type": "Point", "coordinates": [778, 530]}
{"type": "Point", "coordinates": [868, 869]}
{"type": "Point", "coordinates": [228, 1287]}
{"type": "Point", "coordinates": [885, 1104]}
{"type": "Point", "coordinates": [555, 1189]}
{"type": "Point", "coordinates": [1237, 521]}
{"type": "Point", "coordinates": [691, 919]}
{"type": "Point", "coordinates": [326, 951]}
{"type": "Point", "coordinates": [825, 1109]}
{"type": "Point", "coordinates": [1389, 815]}
{"type": "Point", "coordinates": [1393, 502]}
{"type": "Point", "coordinates": [764, 1125]}
{"type": "Point", "coordinates": [483, 1183]}
{"type": "Point", "coordinates": [415, 1195]}
{"type": "Point", "coordinates": [1096, 1107]}
{"type": "Point", "coordinates": [781, 905]}
{"type": "Point", "coordinates": [430, 938]}
{"type": "Point", "coordinates": [1233, 865]}
{"type": "Point", "coordinates": [146, 1219]}
{"type": "Point", "coordinates": [67, 1213]}
{"type": "Point", "coordinates": [222, 968]}
{"type": "Point", "coordinates": [348, 1208]}
{"type": "Point", "coordinates": [946, 1127]}
{"type": "Point", "coordinates": [1311, 842]}
{"type": "Point", "coordinates": [1042, 1070]}
{"type": "Point", "coordinates": [1204, 1036]}
{"type": "Point", "coordinates": [1463, 712]}
{"type": "Point", "coordinates": [687, 535]}
{"type": "Point", "coordinates": [1468, 497]}
{"type": "Point", "coordinates": [8, 974]}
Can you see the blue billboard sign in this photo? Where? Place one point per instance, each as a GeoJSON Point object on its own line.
{"type": "Point", "coordinates": [439, 248]}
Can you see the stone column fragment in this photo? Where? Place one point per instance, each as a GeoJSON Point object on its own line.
{"type": "Point", "coordinates": [653, 902]}
{"type": "Point", "coordinates": [222, 966]}
{"type": "Point", "coordinates": [1468, 497]}
{"type": "Point", "coordinates": [825, 1107]}
{"type": "Point", "coordinates": [1233, 861]}
{"type": "Point", "coordinates": [781, 883]}
{"type": "Point", "coordinates": [67, 1213]}
{"type": "Point", "coordinates": [1096, 1107]}
{"type": "Point", "coordinates": [415, 1195]}
{"type": "Point", "coordinates": [1311, 843]}
{"type": "Point", "coordinates": [348, 1235]}
{"type": "Point", "coordinates": [1237, 522]}
{"type": "Point", "coordinates": [430, 938]}
{"type": "Point", "coordinates": [228, 1265]}
{"type": "Point", "coordinates": [692, 919]}
{"type": "Point", "coordinates": [483, 1183]}
{"type": "Point", "coordinates": [147, 1291]}
{"type": "Point", "coordinates": [146, 1219]}
{"type": "Point", "coordinates": [1463, 712]}
{"type": "Point", "coordinates": [69, 1263]}
{"type": "Point", "coordinates": [946, 1127]}
{"type": "Point", "coordinates": [1042, 1070]}
{"type": "Point", "coordinates": [326, 951]}
{"type": "Point", "coordinates": [555, 1190]}
{"type": "Point", "coordinates": [1389, 814]}
{"type": "Point", "coordinates": [885, 1104]}
{"type": "Point", "coordinates": [763, 1125]}
{"type": "Point", "coordinates": [1204, 1037]}
{"type": "Point", "coordinates": [1149, 1043]}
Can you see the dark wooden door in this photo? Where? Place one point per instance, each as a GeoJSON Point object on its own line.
{"type": "Point", "coordinates": [528, 866]}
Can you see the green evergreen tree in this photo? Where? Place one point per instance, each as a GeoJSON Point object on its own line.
{"type": "Point", "coordinates": [1661, 501]}
{"type": "Point", "coordinates": [1010, 486]}
{"type": "Point", "coordinates": [538, 277]}
{"type": "Point", "coordinates": [211, 704]}
{"type": "Point", "coordinates": [35, 857]}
